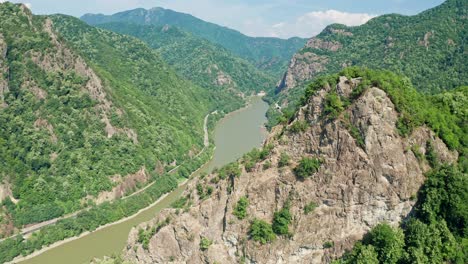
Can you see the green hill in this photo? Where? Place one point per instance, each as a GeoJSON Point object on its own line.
{"type": "Point", "coordinates": [81, 108]}
{"type": "Point", "coordinates": [206, 64]}
{"type": "Point", "coordinates": [269, 54]}
{"type": "Point", "coordinates": [429, 48]}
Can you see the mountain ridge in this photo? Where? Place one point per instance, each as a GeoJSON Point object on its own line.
{"type": "Point", "coordinates": [269, 54]}
{"type": "Point", "coordinates": [431, 43]}
{"type": "Point", "coordinates": [197, 59]}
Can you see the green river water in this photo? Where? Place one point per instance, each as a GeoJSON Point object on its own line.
{"type": "Point", "coordinates": [234, 135]}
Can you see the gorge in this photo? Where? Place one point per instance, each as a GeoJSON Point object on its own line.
{"type": "Point", "coordinates": [153, 136]}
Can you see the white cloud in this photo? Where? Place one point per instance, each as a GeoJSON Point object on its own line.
{"type": "Point", "coordinates": [312, 23]}
{"type": "Point", "coordinates": [334, 16]}
{"type": "Point", "coordinates": [28, 5]}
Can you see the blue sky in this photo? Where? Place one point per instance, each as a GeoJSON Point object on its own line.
{"type": "Point", "coordinates": [280, 18]}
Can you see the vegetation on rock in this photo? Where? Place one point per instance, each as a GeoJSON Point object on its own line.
{"type": "Point", "coordinates": [281, 221]}
{"type": "Point", "coordinates": [261, 231]}
{"type": "Point", "coordinates": [240, 210]}
{"type": "Point", "coordinates": [307, 167]}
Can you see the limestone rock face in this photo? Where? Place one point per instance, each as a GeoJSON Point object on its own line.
{"type": "Point", "coordinates": [307, 64]}
{"type": "Point", "coordinates": [357, 187]}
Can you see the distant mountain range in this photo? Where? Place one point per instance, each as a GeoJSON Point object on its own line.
{"type": "Point", "coordinates": [269, 54]}
{"type": "Point", "coordinates": [197, 59]}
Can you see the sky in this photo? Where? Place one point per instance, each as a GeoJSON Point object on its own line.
{"type": "Point", "coordinates": [266, 18]}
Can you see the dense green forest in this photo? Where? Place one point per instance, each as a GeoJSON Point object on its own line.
{"type": "Point", "coordinates": [198, 59]}
{"type": "Point", "coordinates": [55, 146]}
{"type": "Point", "coordinates": [429, 48]}
{"type": "Point", "coordinates": [436, 230]}
{"type": "Point", "coordinates": [269, 54]}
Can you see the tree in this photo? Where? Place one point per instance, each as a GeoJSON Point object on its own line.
{"type": "Point", "coordinates": [388, 243]}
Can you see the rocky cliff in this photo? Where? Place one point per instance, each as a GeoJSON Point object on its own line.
{"type": "Point", "coordinates": [414, 45]}
{"type": "Point", "coordinates": [369, 174]}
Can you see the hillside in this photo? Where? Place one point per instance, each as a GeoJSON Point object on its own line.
{"type": "Point", "coordinates": [86, 116]}
{"type": "Point", "coordinates": [197, 59]}
{"type": "Point", "coordinates": [430, 48]}
{"type": "Point", "coordinates": [269, 54]}
{"type": "Point", "coordinates": [348, 164]}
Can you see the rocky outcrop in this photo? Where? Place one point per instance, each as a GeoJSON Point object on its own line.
{"type": "Point", "coordinates": [301, 68]}
{"type": "Point", "coordinates": [356, 187]}
{"type": "Point", "coordinates": [223, 79]}
{"type": "Point", "coordinates": [44, 124]}
{"type": "Point", "coordinates": [316, 43]}
{"type": "Point", "coordinates": [308, 63]}
{"type": "Point", "coordinates": [65, 59]}
{"type": "Point", "coordinates": [425, 41]}
{"type": "Point", "coordinates": [122, 186]}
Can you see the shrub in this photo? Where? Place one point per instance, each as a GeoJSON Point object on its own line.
{"type": "Point", "coordinates": [261, 231]}
{"type": "Point", "coordinates": [307, 167]}
{"type": "Point", "coordinates": [328, 244]}
{"type": "Point", "coordinates": [230, 170]}
{"type": "Point", "coordinates": [255, 156]}
{"type": "Point", "coordinates": [284, 160]}
{"type": "Point", "coordinates": [361, 254]}
{"type": "Point", "coordinates": [249, 165]}
{"type": "Point", "coordinates": [205, 243]}
{"type": "Point", "coordinates": [281, 221]}
{"type": "Point", "coordinates": [240, 210]}
{"type": "Point", "coordinates": [299, 126]}
{"type": "Point", "coordinates": [310, 207]}
{"type": "Point", "coordinates": [333, 105]}
{"type": "Point", "coordinates": [416, 149]}
{"type": "Point", "coordinates": [356, 134]}
{"type": "Point", "coordinates": [180, 203]}
{"type": "Point", "coordinates": [200, 190]}
{"type": "Point", "coordinates": [431, 155]}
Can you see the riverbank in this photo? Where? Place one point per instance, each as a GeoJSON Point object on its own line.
{"type": "Point", "coordinates": [234, 135]}
{"type": "Point", "coordinates": [27, 231]}
{"type": "Point", "coordinates": [62, 242]}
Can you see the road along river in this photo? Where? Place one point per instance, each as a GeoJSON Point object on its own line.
{"type": "Point", "coordinates": [236, 134]}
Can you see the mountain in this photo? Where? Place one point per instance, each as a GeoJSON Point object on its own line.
{"type": "Point", "coordinates": [269, 54]}
{"type": "Point", "coordinates": [206, 64]}
{"type": "Point", "coordinates": [87, 116]}
{"type": "Point", "coordinates": [430, 48]}
{"type": "Point", "coordinates": [364, 153]}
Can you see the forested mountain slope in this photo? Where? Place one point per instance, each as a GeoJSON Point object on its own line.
{"type": "Point", "coordinates": [269, 54]}
{"type": "Point", "coordinates": [206, 64]}
{"type": "Point", "coordinates": [429, 48]}
{"type": "Point", "coordinates": [82, 111]}
{"type": "Point", "coordinates": [365, 155]}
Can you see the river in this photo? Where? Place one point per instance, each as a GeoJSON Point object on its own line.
{"type": "Point", "coordinates": [234, 135]}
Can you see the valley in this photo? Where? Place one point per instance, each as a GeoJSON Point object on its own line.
{"type": "Point", "coordinates": [153, 136]}
{"type": "Point", "coordinates": [109, 240]}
